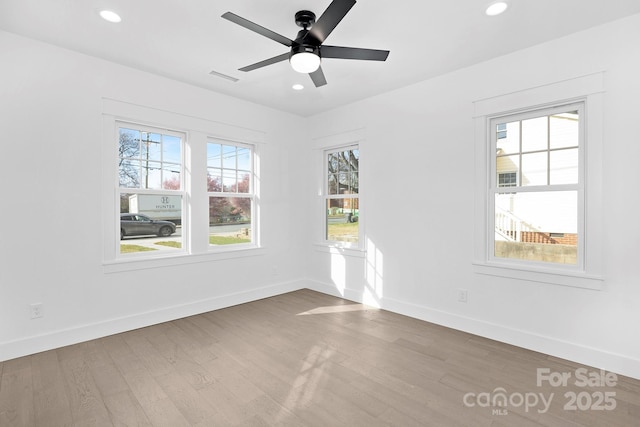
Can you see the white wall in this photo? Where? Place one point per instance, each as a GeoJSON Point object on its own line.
{"type": "Point", "coordinates": [417, 195]}
{"type": "Point", "coordinates": [51, 243]}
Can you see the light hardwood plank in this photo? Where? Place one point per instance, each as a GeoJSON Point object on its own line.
{"type": "Point", "coordinates": [50, 397]}
{"type": "Point", "coordinates": [16, 393]}
{"type": "Point", "coordinates": [298, 359]}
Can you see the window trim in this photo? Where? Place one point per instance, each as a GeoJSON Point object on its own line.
{"type": "Point", "coordinates": [327, 196]}
{"type": "Point", "coordinates": [252, 195]}
{"type": "Point", "coordinates": [182, 193]}
{"type": "Point", "coordinates": [321, 145]}
{"type": "Point", "coordinates": [198, 131]}
{"type": "Point", "coordinates": [588, 89]}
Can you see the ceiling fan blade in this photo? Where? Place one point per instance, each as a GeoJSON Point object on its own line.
{"type": "Point", "coordinates": [342, 52]}
{"type": "Point", "coordinates": [266, 62]}
{"type": "Point", "coordinates": [258, 29]}
{"type": "Point", "coordinates": [329, 20]}
{"type": "Point", "coordinates": [318, 77]}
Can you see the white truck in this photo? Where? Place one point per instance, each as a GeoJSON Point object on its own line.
{"type": "Point", "coordinates": [167, 208]}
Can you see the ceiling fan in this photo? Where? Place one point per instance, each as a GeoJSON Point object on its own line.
{"type": "Point", "coordinates": [307, 48]}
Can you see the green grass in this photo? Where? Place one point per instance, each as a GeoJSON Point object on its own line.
{"type": "Point", "coordinates": [227, 240]}
{"type": "Point", "coordinates": [345, 229]}
{"type": "Point", "coordinates": [170, 243]}
{"type": "Point", "coordinates": [127, 249]}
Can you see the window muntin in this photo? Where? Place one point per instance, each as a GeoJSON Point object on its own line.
{"type": "Point", "coordinates": [231, 195]}
{"type": "Point", "coordinates": [342, 202]}
{"type": "Point", "coordinates": [149, 160]}
{"type": "Point", "coordinates": [150, 168]}
{"type": "Point", "coordinates": [536, 187]}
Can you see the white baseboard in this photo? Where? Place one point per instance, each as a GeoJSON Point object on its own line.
{"type": "Point", "coordinates": [579, 353]}
{"type": "Point", "coordinates": [35, 344]}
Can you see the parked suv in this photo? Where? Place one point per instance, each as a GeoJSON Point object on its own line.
{"type": "Point", "coordinates": [139, 225]}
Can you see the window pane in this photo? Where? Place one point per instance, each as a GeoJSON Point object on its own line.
{"type": "Point", "coordinates": [345, 163]}
{"type": "Point", "coordinates": [538, 226]}
{"type": "Point", "coordinates": [507, 164]}
{"type": "Point", "coordinates": [171, 149]}
{"type": "Point", "coordinates": [154, 224]}
{"type": "Point", "coordinates": [129, 144]}
{"type": "Point", "coordinates": [171, 177]}
{"type": "Point", "coordinates": [229, 183]}
{"type": "Point", "coordinates": [214, 155]}
{"type": "Point", "coordinates": [244, 158]}
{"type": "Point", "coordinates": [244, 182]}
{"type": "Point", "coordinates": [332, 162]}
{"type": "Point", "coordinates": [214, 180]}
{"type": "Point", "coordinates": [564, 130]}
{"type": "Point", "coordinates": [151, 175]}
{"type": "Point", "coordinates": [534, 169]}
{"type": "Point", "coordinates": [129, 173]}
{"type": "Point", "coordinates": [229, 220]}
{"type": "Point", "coordinates": [342, 220]}
{"type": "Point", "coordinates": [534, 134]}
{"type": "Point", "coordinates": [508, 138]}
{"type": "Point", "coordinates": [333, 184]}
{"type": "Point", "coordinates": [354, 182]}
{"type": "Point", "coordinates": [229, 157]}
{"type": "Point", "coordinates": [564, 167]}
{"type": "Point", "coordinates": [151, 146]}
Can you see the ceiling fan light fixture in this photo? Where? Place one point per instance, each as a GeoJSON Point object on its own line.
{"type": "Point", "coordinates": [305, 62]}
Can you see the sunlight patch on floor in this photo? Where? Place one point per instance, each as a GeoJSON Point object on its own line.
{"type": "Point", "coordinates": [337, 309]}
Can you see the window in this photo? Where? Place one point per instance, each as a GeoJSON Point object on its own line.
{"type": "Point", "coordinates": [180, 196]}
{"type": "Point", "coordinates": [507, 179]}
{"type": "Point", "coordinates": [502, 130]}
{"type": "Point", "coordinates": [150, 189]}
{"type": "Point", "coordinates": [342, 202]}
{"type": "Point", "coordinates": [231, 193]}
{"type": "Point", "coordinates": [536, 188]}
{"type": "Point", "coordinates": [547, 140]}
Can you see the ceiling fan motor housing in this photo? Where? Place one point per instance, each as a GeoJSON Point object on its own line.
{"type": "Point", "coordinates": [305, 19]}
{"type": "Point", "coordinates": [301, 48]}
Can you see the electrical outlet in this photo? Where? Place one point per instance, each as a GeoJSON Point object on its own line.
{"type": "Point", "coordinates": [462, 295]}
{"type": "Point", "coordinates": [274, 270]}
{"type": "Point", "coordinates": [36, 310]}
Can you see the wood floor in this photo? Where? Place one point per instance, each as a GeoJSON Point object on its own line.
{"type": "Point", "coordinates": [304, 359]}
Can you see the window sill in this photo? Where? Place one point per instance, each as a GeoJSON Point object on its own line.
{"type": "Point", "coordinates": [549, 276]}
{"type": "Point", "coordinates": [122, 264]}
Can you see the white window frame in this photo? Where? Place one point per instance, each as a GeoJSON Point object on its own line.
{"type": "Point", "coordinates": [587, 90]}
{"type": "Point", "coordinates": [495, 189]}
{"type": "Point", "coordinates": [250, 195]}
{"type": "Point", "coordinates": [328, 196]}
{"type": "Point", "coordinates": [161, 192]}
{"type": "Point", "coordinates": [321, 146]}
{"type": "Point", "coordinates": [195, 215]}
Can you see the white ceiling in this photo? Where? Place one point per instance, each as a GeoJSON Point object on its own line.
{"type": "Point", "coordinates": [186, 39]}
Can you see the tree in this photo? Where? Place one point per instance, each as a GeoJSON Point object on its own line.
{"type": "Point", "coordinates": [172, 183]}
{"type": "Point", "coordinates": [225, 209]}
{"type": "Point", "coordinates": [128, 149]}
{"type": "Point", "coordinates": [243, 204]}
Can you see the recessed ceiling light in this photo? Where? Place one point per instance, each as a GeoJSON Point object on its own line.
{"type": "Point", "coordinates": [496, 8]}
{"type": "Point", "coordinates": [110, 16]}
{"type": "Point", "coordinates": [297, 86]}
